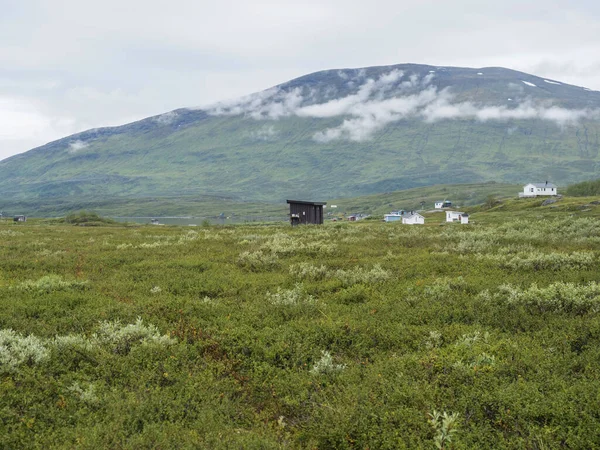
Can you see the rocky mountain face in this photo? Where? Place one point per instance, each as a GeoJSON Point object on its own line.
{"type": "Point", "coordinates": [331, 134]}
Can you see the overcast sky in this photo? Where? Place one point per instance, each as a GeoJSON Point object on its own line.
{"type": "Point", "coordinates": [70, 65]}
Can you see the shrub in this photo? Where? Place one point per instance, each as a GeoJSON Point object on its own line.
{"type": "Point", "coordinates": [307, 271]}
{"type": "Point", "coordinates": [557, 297]}
{"type": "Point", "coordinates": [16, 350]}
{"type": "Point", "coordinates": [87, 395]}
{"type": "Point", "coordinates": [445, 426]}
{"type": "Point", "coordinates": [360, 275]}
{"type": "Point", "coordinates": [50, 283]}
{"type": "Point", "coordinates": [294, 296]}
{"type": "Point", "coordinates": [122, 337]}
{"type": "Point", "coordinates": [88, 218]}
{"type": "Point", "coordinates": [256, 261]}
{"type": "Point", "coordinates": [326, 365]}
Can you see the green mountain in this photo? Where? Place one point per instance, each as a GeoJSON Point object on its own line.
{"type": "Point", "coordinates": [331, 134]}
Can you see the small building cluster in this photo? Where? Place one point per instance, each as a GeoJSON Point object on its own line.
{"type": "Point", "coordinates": [414, 218]}
{"type": "Point", "coordinates": [302, 212]}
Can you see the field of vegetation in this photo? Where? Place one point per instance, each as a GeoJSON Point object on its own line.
{"type": "Point", "coordinates": [347, 335]}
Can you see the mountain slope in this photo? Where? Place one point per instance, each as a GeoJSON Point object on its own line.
{"type": "Point", "coordinates": [331, 134]}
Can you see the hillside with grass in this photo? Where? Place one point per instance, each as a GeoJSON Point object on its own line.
{"type": "Point", "coordinates": [332, 134]}
{"type": "Point", "coordinates": [346, 335]}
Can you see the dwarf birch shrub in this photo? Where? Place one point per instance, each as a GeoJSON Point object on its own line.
{"type": "Point", "coordinates": [86, 395]}
{"type": "Point", "coordinates": [256, 261]}
{"type": "Point", "coordinates": [307, 271]}
{"type": "Point", "coordinates": [445, 426]}
{"type": "Point", "coordinates": [50, 283]}
{"type": "Point", "coordinates": [361, 275]}
{"type": "Point", "coordinates": [16, 350]}
{"type": "Point", "coordinates": [326, 365]}
{"type": "Point", "coordinates": [73, 341]}
{"type": "Point", "coordinates": [284, 244]}
{"type": "Point", "coordinates": [443, 287]}
{"type": "Point", "coordinates": [545, 261]}
{"type": "Point", "coordinates": [557, 297]}
{"type": "Point", "coordinates": [434, 340]}
{"type": "Point", "coordinates": [468, 340]}
{"type": "Point", "coordinates": [122, 337]}
{"type": "Point", "coordinates": [295, 296]}
{"type": "Point", "coordinates": [10, 233]}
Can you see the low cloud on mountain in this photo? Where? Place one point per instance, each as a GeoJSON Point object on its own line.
{"type": "Point", "coordinates": [391, 97]}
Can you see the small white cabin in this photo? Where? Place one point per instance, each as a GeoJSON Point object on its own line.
{"type": "Point", "coordinates": [535, 189]}
{"type": "Point", "coordinates": [464, 218]}
{"type": "Point", "coordinates": [443, 204]}
{"type": "Point", "coordinates": [413, 219]}
{"type": "Point", "coordinates": [454, 216]}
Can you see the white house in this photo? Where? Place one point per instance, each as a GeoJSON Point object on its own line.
{"type": "Point", "coordinates": [413, 219]}
{"type": "Point", "coordinates": [464, 218]}
{"type": "Point", "coordinates": [443, 204]}
{"type": "Point", "coordinates": [535, 189]}
{"type": "Point", "coordinates": [454, 216]}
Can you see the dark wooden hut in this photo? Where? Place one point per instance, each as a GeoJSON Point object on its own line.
{"type": "Point", "coordinates": [306, 212]}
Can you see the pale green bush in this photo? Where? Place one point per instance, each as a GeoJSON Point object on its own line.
{"type": "Point", "coordinates": [50, 283]}
{"type": "Point", "coordinates": [16, 350]}
{"type": "Point", "coordinates": [10, 233]}
{"type": "Point", "coordinates": [468, 340]}
{"type": "Point", "coordinates": [557, 297]}
{"type": "Point", "coordinates": [361, 275]}
{"type": "Point", "coordinates": [288, 297]}
{"type": "Point", "coordinates": [72, 341]}
{"type": "Point", "coordinates": [443, 287]}
{"type": "Point", "coordinates": [121, 337]}
{"type": "Point", "coordinates": [536, 260]}
{"type": "Point", "coordinates": [326, 365]}
{"type": "Point", "coordinates": [445, 426]}
{"type": "Point", "coordinates": [257, 260]}
{"type": "Point", "coordinates": [434, 340]}
{"type": "Point", "coordinates": [87, 395]}
{"type": "Point", "coordinates": [308, 271]}
{"type": "Point", "coordinates": [284, 244]}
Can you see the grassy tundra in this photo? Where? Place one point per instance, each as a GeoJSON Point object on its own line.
{"type": "Point", "coordinates": [364, 335]}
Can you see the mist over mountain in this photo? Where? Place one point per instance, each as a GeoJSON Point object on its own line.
{"type": "Point", "coordinates": [330, 134]}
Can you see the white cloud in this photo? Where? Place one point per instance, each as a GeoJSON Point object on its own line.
{"type": "Point", "coordinates": [77, 145]}
{"type": "Point", "coordinates": [389, 98]}
{"type": "Point", "coordinates": [266, 133]}
{"type": "Point", "coordinates": [21, 120]}
{"type": "Point", "coordinates": [166, 118]}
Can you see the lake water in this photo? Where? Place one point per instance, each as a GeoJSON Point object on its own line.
{"type": "Point", "coordinates": [197, 221]}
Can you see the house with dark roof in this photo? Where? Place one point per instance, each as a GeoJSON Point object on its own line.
{"type": "Point", "coordinates": [302, 212]}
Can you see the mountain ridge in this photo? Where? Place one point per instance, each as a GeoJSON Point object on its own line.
{"type": "Point", "coordinates": [330, 134]}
